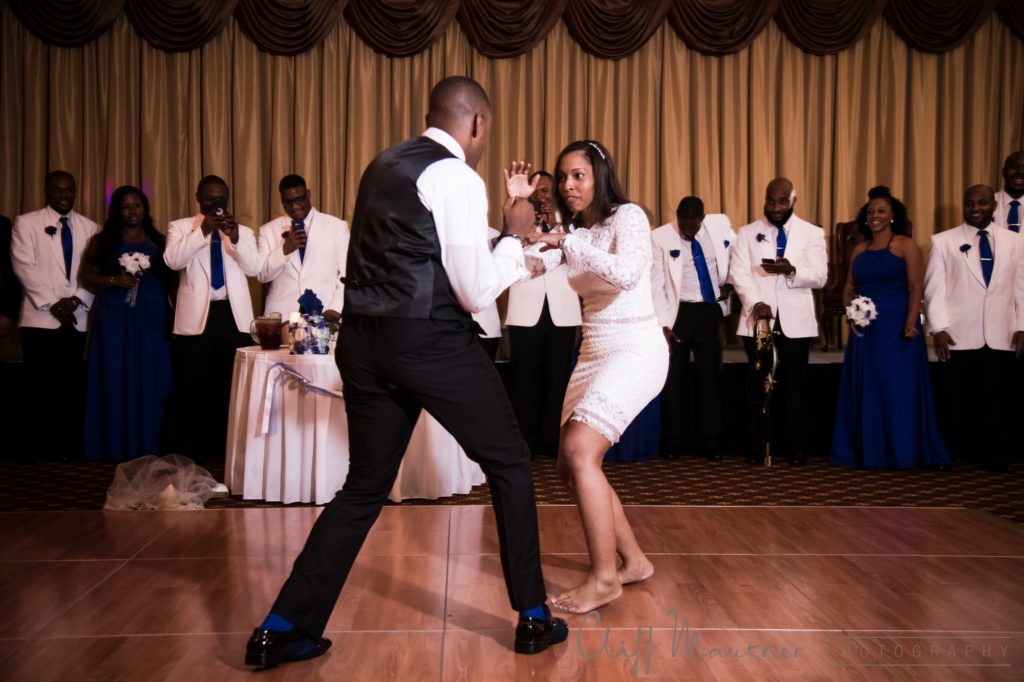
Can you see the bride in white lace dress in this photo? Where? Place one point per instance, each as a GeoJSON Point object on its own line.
{"type": "Point", "coordinates": [622, 364]}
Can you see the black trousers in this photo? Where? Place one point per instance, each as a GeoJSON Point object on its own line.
{"type": "Point", "coordinates": [982, 383]}
{"type": "Point", "coordinates": [203, 383]}
{"type": "Point", "coordinates": [391, 369]}
{"type": "Point", "coordinates": [55, 371]}
{"type": "Point", "coordinates": [787, 406]}
{"type": "Point", "coordinates": [698, 326]}
{"type": "Point", "coordinates": [541, 367]}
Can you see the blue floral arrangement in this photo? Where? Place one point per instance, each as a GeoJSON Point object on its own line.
{"type": "Point", "coordinates": [311, 333]}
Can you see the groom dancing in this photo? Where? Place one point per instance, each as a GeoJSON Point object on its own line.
{"type": "Point", "coordinates": [418, 265]}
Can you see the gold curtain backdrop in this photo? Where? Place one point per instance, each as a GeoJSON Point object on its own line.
{"type": "Point", "coordinates": [678, 122]}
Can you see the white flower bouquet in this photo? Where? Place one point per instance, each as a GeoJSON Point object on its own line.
{"type": "Point", "coordinates": [134, 263]}
{"type": "Point", "coordinates": [310, 332]}
{"type": "Point", "coordinates": [861, 312]}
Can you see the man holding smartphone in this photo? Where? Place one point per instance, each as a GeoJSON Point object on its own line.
{"type": "Point", "coordinates": [776, 264]}
{"type": "Point", "coordinates": [214, 255]}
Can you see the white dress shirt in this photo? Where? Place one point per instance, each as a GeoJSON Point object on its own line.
{"type": "Point", "coordinates": [1002, 212]}
{"type": "Point", "coordinates": [689, 284]}
{"type": "Point", "coordinates": [457, 198]}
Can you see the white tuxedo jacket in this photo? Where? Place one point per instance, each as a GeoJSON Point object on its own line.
{"type": "Point", "coordinates": [956, 299]}
{"type": "Point", "coordinates": [189, 252]}
{"type": "Point", "coordinates": [38, 260]}
{"type": "Point", "coordinates": [667, 270]}
{"type": "Point", "coordinates": [321, 270]}
{"type": "Point", "coordinates": [526, 299]}
{"type": "Point", "coordinates": [791, 298]}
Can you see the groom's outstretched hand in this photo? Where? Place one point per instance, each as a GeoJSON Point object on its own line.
{"type": "Point", "coordinates": [519, 217]}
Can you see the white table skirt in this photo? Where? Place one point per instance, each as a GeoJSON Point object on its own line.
{"type": "Point", "coordinates": [288, 442]}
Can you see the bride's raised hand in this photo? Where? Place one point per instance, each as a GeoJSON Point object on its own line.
{"type": "Point", "coordinates": [517, 182]}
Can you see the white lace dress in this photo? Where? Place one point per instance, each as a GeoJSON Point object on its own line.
{"type": "Point", "coordinates": [623, 361]}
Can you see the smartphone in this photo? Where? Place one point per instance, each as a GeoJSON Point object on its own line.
{"type": "Point", "coordinates": [768, 261]}
{"type": "Point", "coordinates": [220, 205]}
{"type": "Point", "coordinates": [537, 205]}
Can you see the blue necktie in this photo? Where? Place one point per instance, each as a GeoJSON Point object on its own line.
{"type": "Point", "coordinates": [216, 260]}
{"type": "Point", "coordinates": [780, 243]}
{"type": "Point", "coordinates": [707, 292]}
{"type": "Point", "coordinates": [988, 261]}
{"type": "Point", "coordinates": [66, 243]}
{"type": "Point", "coordinates": [297, 225]}
{"type": "Point", "coordinates": [1013, 219]}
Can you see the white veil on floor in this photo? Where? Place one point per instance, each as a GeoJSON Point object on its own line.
{"type": "Point", "coordinates": [151, 482]}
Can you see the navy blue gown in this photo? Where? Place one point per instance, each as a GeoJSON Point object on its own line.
{"type": "Point", "coordinates": [129, 372]}
{"type": "Point", "coordinates": [885, 415]}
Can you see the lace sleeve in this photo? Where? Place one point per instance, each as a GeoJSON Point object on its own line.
{"type": "Point", "coordinates": [540, 262]}
{"type": "Point", "coordinates": [629, 253]}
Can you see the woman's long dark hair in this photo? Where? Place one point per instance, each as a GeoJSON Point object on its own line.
{"type": "Point", "coordinates": [900, 222]}
{"type": "Point", "coordinates": [108, 241]}
{"type": "Point", "coordinates": [608, 194]}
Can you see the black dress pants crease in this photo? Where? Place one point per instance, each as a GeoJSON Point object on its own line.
{"type": "Point", "coordinates": [55, 372]}
{"type": "Point", "coordinates": [203, 383]}
{"type": "Point", "coordinates": [541, 367]}
{"type": "Point", "coordinates": [981, 381]}
{"type": "Point", "coordinates": [787, 401]}
{"type": "Point", "coordinates": [391, 369]}
{"type": "Point", "coordinates": [698, 326]}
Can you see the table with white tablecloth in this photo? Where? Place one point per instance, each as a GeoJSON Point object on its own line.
{"type": "Point", "coordinates": [288, 436]}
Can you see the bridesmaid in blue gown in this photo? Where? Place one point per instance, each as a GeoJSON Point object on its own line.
{"type": "Point", "coordinates": [885, 416]}
{"type": "Point", "coordinates": [129, 363]}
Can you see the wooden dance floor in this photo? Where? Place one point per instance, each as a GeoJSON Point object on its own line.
{"type": "Point", "coordinates": [739, 593]}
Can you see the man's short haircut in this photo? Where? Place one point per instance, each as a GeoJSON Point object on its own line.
{"type": "Point", "coordinates": [454, 88]}
{"type": "Point", "coordinates": [290, 181]}
{"type": "Point", "coordinates": [54, 174]}
{"type": "Point", "coordinates": [210, 180]}
{"type": "Point", "coordinates": [690, 207]}
{"type": "Point", "coordinates": [541, 173]}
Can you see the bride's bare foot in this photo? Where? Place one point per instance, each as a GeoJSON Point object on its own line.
{"type": "Point", "coordinates": [588, 595]}
{"type": "Point", "coordinates": [636, 571]}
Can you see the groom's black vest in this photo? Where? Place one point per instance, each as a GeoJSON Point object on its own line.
{"type": "Point", "coordinates": [394, 257]}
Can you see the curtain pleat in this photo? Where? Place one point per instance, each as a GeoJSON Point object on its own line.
{"type": "Point", "coordinates": [508, 28]}
{"type": "Point", "coordinates": [288, 27]}
{"type": "Point", "coordinates": [677, 122]}
{"type": "Point", "coordinates": [1011, 12]}
{"type": "Point", "coordinates": [179, 25]}
{"type": "Point", "coordinates": [400, 28]}
{"type": "Point", "coordinates": [827, 26]}
{"type": "Point", "coordinates": [937, 25]}
{"type": "Point", "coordinates": [609, 29]}
{"type": "Point", "coordinates": [720, 27]}
{"type": "Point", "coordinates": [613, 29]}
{"type": "Point", "coordinates": [67, 23]}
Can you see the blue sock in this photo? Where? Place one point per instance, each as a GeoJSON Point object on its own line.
{"type": "Point", "coordinates": [537, 613]}
{"type": "Point", "coordinates": [276, 623]}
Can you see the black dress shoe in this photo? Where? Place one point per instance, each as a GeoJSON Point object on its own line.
{"type": "Point", "coordinates": [997, 465]}
{"type": "Point", "coordinates": [267, 648]}
{"type": "Point", "coordinates": [534, 635]}
{"type": "Point", "coordinates": [797, 458]}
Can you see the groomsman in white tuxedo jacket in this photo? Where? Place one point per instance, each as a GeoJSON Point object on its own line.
{"type": "Point", "coordinates": [303, 249]}
{"type": "Point", "coordinates": [1010, 199]}
{"type": "Point", "coordinates": [46, 254]}
{"type": "Point", "coordinates": [974, 302]}
{"type": "Point", "coordinates": [689, 272]}
{"type": "Point", "coordinates": [213, 255]}
{"type": "Point", "coordinates": [542, 318]}
{"type": "Point", "coordinates": [776, 264]}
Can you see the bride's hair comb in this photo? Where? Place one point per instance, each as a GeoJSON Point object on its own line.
{"type": "Point", "coordinates": [598, 148]}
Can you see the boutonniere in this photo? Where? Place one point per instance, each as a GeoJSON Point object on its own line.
{"type": "Point", "coordinates": [726, 242]}
{"type": "Point", "coordinates": [965, 248]}
{"type": "Point", "coordinates": [284, 235]}
{"type": "Point", "coordinates": [674, 253]}
{"type": "Point", "coordinates": [50, 230]}
{"type": "Point", "coordinates": [760, 237]}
